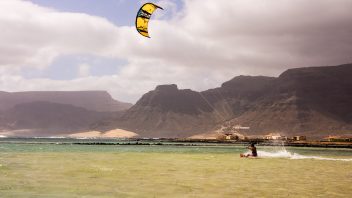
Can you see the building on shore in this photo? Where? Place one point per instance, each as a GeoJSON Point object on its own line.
{"type": "Point", "coordinates": [299, 138]}
{"type": "Point", "coordinates": [230, 131]}
{"type": "Point", "coordinates": [231, 136]}
{"type": "Point", "coordinates": [275, 136]}
{"type": "Point", "coordinates": [338, 138]}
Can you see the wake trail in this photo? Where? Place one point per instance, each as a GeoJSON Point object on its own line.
{"type": "Point", "coordinates": [296, 156]}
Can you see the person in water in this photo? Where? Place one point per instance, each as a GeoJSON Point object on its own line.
{"type": "Point", "coordinates": [253, 149]}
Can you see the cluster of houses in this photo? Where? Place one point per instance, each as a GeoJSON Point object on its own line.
{"type": "Point", "coordinates": [238, 136]}
{"type": "Point", "coordinates": [234, 132]}
{"type": "Point", "coordinates": [281, 137]}
{"type": "Point", "coordinates": [230, 131]}
{"type": "Point", "coordinates": [271, 136]}
{"type": "Point", "coordinates": [338, 139]}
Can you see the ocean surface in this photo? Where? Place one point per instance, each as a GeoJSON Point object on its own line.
{"type": "Point", "coordinates": [56, 167]}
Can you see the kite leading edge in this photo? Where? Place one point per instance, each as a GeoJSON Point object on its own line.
{"type": "Point", "coordinates": [143, 17]}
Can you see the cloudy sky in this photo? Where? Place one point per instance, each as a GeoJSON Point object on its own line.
{"type": "Point", "coordinates": [197, 44]}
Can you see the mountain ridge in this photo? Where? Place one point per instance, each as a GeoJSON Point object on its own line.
{"type": "Point", "coordinates": [100, 101]}
{"type": "Point", "coordinates": [313, 100]}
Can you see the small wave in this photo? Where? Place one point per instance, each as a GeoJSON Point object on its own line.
{"type": "Point", "coordinates": [296, 156]}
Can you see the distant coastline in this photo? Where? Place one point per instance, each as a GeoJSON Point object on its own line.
{"type": "Point", "coordinates": [169, 142]}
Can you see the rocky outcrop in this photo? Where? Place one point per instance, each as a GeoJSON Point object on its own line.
{"type": "Point", "coordinates": [167, 111]}
{"type": "Point", "coordinates": [314, 101]}
{"type": "Point", "coordinates": [47, 119]}
{"type": "Point", "coordinates": [42, 113]}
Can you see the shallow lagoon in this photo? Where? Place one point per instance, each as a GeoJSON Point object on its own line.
{"type": "Point", "coordinates": [55, 170]}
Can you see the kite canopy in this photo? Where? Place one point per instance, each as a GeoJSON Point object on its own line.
{"type": "Point", "coordinates": [143, 17]}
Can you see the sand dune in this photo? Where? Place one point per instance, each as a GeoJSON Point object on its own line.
{"type": "Point", "coordinates": [116, 133]}
{"type": "Point", "coordinates": [120, 133]}
{"type": "Point", "coordinates": [205, 136]}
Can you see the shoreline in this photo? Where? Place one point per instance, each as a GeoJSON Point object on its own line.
{"type": "Point", "coordinates": [174, 142]}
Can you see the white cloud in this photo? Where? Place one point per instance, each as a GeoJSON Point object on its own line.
{"type": "Point", "coordinates": [33, 36]}
{"type": "Point", "coordinates": [83, 70]}
{"type": "Point", "coordinates": [203, 45]}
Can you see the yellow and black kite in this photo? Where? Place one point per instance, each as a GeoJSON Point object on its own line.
{"type": "Point", "coordinates": [143, 16]}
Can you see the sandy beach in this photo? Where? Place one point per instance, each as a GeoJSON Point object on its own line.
{"type": "Point", "coordinates": [116, 133]}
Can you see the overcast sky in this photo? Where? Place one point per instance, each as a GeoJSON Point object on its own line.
{"type": "Point", "coordinates": [197, 44]}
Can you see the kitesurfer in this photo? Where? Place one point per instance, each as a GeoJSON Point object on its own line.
{"type": "Point", "coordinates": [253, 150]}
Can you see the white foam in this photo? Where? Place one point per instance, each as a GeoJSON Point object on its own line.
{"type": "Point", "coordinates": [276, 154]}
{"type": "Point", "coordinates": [296, 156]}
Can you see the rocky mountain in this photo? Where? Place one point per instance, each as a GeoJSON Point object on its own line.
{"type": "Point", "coordinates": [100, 101]}
{"type": "Point", "coordinates": [49, 119]}
{"type": "Point", "coordinates": [55, 113]}
{"type": "Point", "coordinates": [167, 112]}
{"type": "Point", "coordinates": [315, 101]}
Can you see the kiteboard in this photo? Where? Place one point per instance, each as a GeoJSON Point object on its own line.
{"type": "Point", "coordinates": [249, 157]}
